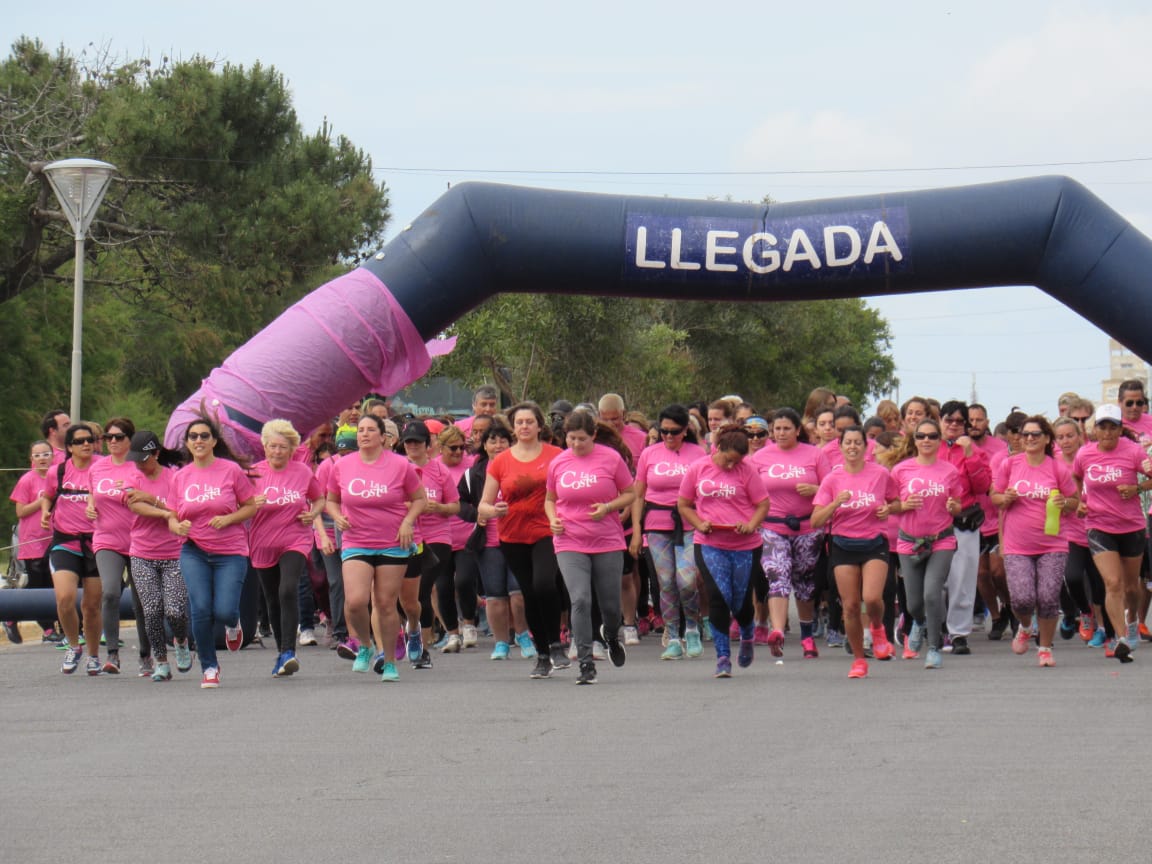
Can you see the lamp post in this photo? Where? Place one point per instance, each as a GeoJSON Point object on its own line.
{"type": "Point", "coordinates": [79, 185]}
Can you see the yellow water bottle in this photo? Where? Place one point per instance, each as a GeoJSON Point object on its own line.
{"type": "Point", "coordinates": [1052, 514]}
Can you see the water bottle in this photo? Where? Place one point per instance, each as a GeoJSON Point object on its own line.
{"type": "Point", "coordinates": [1052, 515]}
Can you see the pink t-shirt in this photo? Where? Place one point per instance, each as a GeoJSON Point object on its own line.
{"type": "Point", "coordinates": [276, 528]}
{"type": "Point", "coordinates": [323, 477]}
{"type": "Point", "coordinates": [636, 440]}
{"type": "Point", "coordinates": [151, 537]}
{"type": "Point", "coordinates": [724, 498]}
{"type": "Point", "coordinates": [113, 518]}
{"type": "Point", "coordinates": [1073, 526]}
{"type": "Point", "coordinates": [459, 529]}
{"type": "Point", "coordinates": [991, 445]}
{"type": "Point", "coordinates": [836, 456]}
{"type": "Point", "coordinates": [1101, 472]}
{"type": "Point", "coordinates": [68, 514]}
{"type": "Point", "coordinates": [204, 493]}
{"type": "Point", "coordinates": [781, 471]}
{"type": "Point", "coordinates": [936, 483]}
{"type": "Point", "coordinates": [1023, 529]}
{"type": "Point", "coordinates": [373, 498]}
{"type": "Point", "coordinates": [32, 538]}
{"type": "Point", "coordinates": [579, 483]}
{"type": "Point", "coordinates": [871, 489]}
{"type": "Point", "coordinates": [439, 487]}
{"type": "Point", "coordinates": [661, 470]}
{"type": "Point", "coordinates": [1143, 429]}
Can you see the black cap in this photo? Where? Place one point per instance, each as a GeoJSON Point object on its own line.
{"type": "Point", "coordinates": [561, 407]}
{"type": "Point", "coordinates": [416, 431]}
{"type": "Point", "coordinates": [144, 444]}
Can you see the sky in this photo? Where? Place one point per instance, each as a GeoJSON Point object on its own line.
{"type": "Point", "coordinates": [741, 100]}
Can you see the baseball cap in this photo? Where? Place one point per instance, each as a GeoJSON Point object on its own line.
{"type": "Point", "coordinates": [346, 439]}
{"type": "Point", "coordinates": [144, 444]}
{"type": "Point", "coordinates": [561, 407]}
{"type": "Point", "coordinates": [1109, 413]}
{"type": "Point", "coordinates": [416, 431]}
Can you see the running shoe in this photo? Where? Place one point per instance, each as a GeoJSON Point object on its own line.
{"type": "Point", "coordinates": [1122, 651]}
{"type": "Point", "coordinates": [183, 656]}
{"type": "Point", "coordinates": [673, 651]}
{"type": "Point", "coordinates": [559, 657]}
{"type": "Point", "coordinates": [71, 660]}
{"type": "Point", "coordinates": [834, 639]}
{"type": "Point", "coordinates": [760, 634]}
{"type": "Point", "coordinates": [453, 644]}
{"type": "Point", "coordinates": [616, 651]}
{"type": "Point", "coordinates": [424, 661]}
{"type": "Point", "coordinates": [469, 636]}
{"type": "Point", "coordinates": [693, 647]}
{"type": "Point", "coordinates": [211, 679]}
{"type": "Point", "coordinates": [401, 646]}
{"type": "Point", "coordinates": [526, 645]}
{"type": "Point", "coordinates": [998, 627]}
{"type": "Point", "coordinates": [1044, 656]}
{"type": "Point", "coordinates": [587, 673]}
{"type": "Point", "coordinates": [859, 668]}
{"type": "Point", "coordinates": [1068, 627]}
{"type": "Point", "coordinates": [909, 654]}
{"type": "Point", "coordinates": [1087, 627]}
{"type": "Point", "coordinates": [916, 637]}
{"type": "Point", "coordinates": [234, 637]}
{"type": "Point", "coordinates": [881, 648]}
{"type": "Point", "coordinates": [415, 647]}
{"type": "Point", "coordinates": [287, 664]}
{"type": "Point", "coordinates": [733, 630]}
{"type": "Point", "coordinates": [809, 646]}
{"type": "Point", "coordinates": [62, 645]}
{"type": "Point", "coordinates": [776, 643]}
{"type": "Point", "coordinates": [52, 637]}
{"type": "Point", "coordinates": [1143, 631]}
{"type": "Point", "coordinates": [747, 653]}
{"type": "Point", "coordinates": [348, 648]}
{"type": "Point", "coordinates": [642, 625]}
{"type": "Point", "coordinates": [706, 629]}
{"type": "Point", "coordinates": [378, 662]}
{"type": "Point", "coordinates": [112, 664]}
{"type": "Point", "coordinates": [94, 666]}
{"type": "Point", "coordinates": [1133, 639]}
{"type": "Point", "coordinates": [599, 651]}
{"type": "Point", "coordinates": [163, 672]}
{"type": "Point", "coordinates": [145, 669]}
{"type": "Point", "coordinates": [820, 624]}
{"type": "Point", "coordinates": [960, 645]}
{"type": "Point", "coordinates": [1098, 638]}
{"type": "Point", "coordinates": [500, 651]}
{"type": "Point", "coordinates": [934, 659]}
{"type": "Point", "coordinates": [572, 652]}
{"type": "Point", "coordinates": [439, 644]}
{"type": "Point", "coordinates": [1020, 641]}
{"type": "Point", "coordinates": [631, 635]}
{"type": "Point", "coordinates": [565, 636]}
{"type": "Point", "coordinates": [1110, 647]}
{"type": "Point", "coordinates": [723, 667]}
{"type": "Point", "coordinates": [655, 622]}
{"type": "Point", "coordinates": [363, 659]}
{"type": "Point", "coordinates": [307, 637]}
{"type": "Point", "coordinates": [389, 673]}
{"type": "Point", "coordinates": [12, 631]}
{"type": "Point", "coordinates": [543, 668]}
{"type": "Point", "coordinates": [867, 643]}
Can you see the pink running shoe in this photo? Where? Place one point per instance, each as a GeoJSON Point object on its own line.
{"type": "Point", "coordinates": [1045, 657]}
{"type": "Point", "coordinates": [859, 669]}
{"type": "Point", "coordinates": [401, 646]}
{"type": "Point", "coordinates": [809, 646]}
{"type": "Point", "coordinates": [1020, 641]}
{"type": "Point", "coordinates": [760, 634]}
{"type": "Point", "coordinates": [881, 648]}
{"type": "Point", "coordinates": [909, 654]}
{"type": "Point", "coordinates": [776, 643]}
{"type": "Point", "coordinates": [733, 630]}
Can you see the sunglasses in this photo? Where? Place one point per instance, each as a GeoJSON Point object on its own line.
{"type": "Point", "coordinates": [664, 430]}
{"type": "Point", "coordinates": [1135, 403]}
{"type": "Point", "coordinates": [927, 436]}
{"type": "Point", "coordinates": [1081, 419]}
{"type": "Point", "coordinates": [115, 436]}
{"type": "Point", "coordinates": [455, 448]}
{"type": "Point", "coordinates": [199, 436]}
{"type": "Point", "coordinates": [1031, 434]}
{"type": "Point", "coordinates": [76, 442]}
{"type": "Point", "coordinates": [955, 421]}
{"type": "Point", "coordinates": [755, 434]}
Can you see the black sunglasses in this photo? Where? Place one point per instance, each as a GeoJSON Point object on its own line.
{"type": "Point", "coordinates": [1134, 403]}
{"type": "Point", "coordinates": [76, 441]}
{"type": "Point", "coordinates": [664, 430]}
{"type": "Point", "coordinates": [751, 433]}
{"type": "Point", "coordinates": [199, 436]}
{"type": "Point", "coordinates": [930, 436]}
{"type": "Point", "coordinates": [115, 436]}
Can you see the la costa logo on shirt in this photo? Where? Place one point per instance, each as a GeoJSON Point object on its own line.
{"type": "Point", "coordinates": [715, 489]}
{"type": "Point", "coordinates": [1027, 489]}
{"type": "Point", "coordinates": [787, 472]}
{"type": "Point", "coordinates": [926, 488]}
{"type": "Point", "coordinates": [282, 497]}
{"type": "Point", "coordinates": [68, 491]}
{"type": "Point", "coordinates": [108, 486]}
{"type": "Point", "coordinates": [859, 501]}
{"type": "Point", "coordinates": [361, 488]}
{"type": "Point", "coordinates": [1104, 473]}
{"type": "Point", "coordinates": [576, 480]}
{"type": "Point", "coordinates": [197, 494]}
{"type": "Point", "coordinates": [669, 469]}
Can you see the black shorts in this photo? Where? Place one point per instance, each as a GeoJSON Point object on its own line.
{"type": "Point", "coordinates": [1130, 544]}
{"type": "Point", "coordinates": [839, 557]}
{"type": "Point", "coordinates": [380, 560]}
{"type": "Point", "coordinates": [81, 563]}
{"type": "Point", "coordinates": [989, 543]}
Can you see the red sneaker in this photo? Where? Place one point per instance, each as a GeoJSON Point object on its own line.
{"type": "Point", "coordinates": [881, 648]}
{"type": "Point", "coordinates": [760, 634]}
{"type": "Point", "coordinates": [859, 668]}
{"type": "Point", "coordinates": [211, 679]}
{"type": "Point", "coordinates": [809, 646]}
{"type": "Point", "coordinates": [234, 637]}
{"type": "Point", "coordinates": [776, 643]}
{"type": "Point", "coordinates": [1087, 627]}
{"type": "Point", "coordinates": [909, 654]}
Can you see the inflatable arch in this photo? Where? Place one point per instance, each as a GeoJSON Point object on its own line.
{"type": "Point", "coordinates": [374, 329]}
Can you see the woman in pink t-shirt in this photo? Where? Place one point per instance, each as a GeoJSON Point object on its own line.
{"type": "Point", "coordinates": [1108, 471]}
{"type": "Point", "coordinates": [31, 539]}
{"type": "Point", "coordinates": [856, 502]}
{"type": "Point", "coordinates": [587, 487]}
{"type": "Point", "coordinates": [723, 498]}
{"type": "Point", "coordinates": [214, 497]}
{"type": "Point", "coordinates": [155, 553]}
{"type": "Point", "coordinates": [288, 500]}
{"type": "Point", "coordinates": [792, 470]}
{"type": "Point", "coordinates": [668, 547]}
{"type": "Point", "coordinates": [930, 491]}
{"type": "Point", "coordinates": [456, 460]}
{"type": "Point", "coordinates": [375, 498]}
{"type": "Point", "coordinates": [1024, 487]}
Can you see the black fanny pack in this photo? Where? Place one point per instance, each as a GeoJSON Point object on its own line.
{"type": "Point", "coordinates": [860, 544]}
{"type": "Point", "coordinates": [793, 522]}
{"type": "Point", "coordinates": [969, 519]}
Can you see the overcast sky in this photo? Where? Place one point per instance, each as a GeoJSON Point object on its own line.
{"type": "Point", "coordinates": [831, 100]}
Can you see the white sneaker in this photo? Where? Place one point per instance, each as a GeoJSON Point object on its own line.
{"type": "Point", "coordinates": [572, 650]}
{"type": "Point", "coordinates": [307, 637]}
{"type": "Point", "coordinates": [470, 636]}
{"type": "Point", "coordinates": [452, 646]}
{"type": "Point", "coordinates": [631, 636]}
{"type": "Point", "coordinates": [599, 650]}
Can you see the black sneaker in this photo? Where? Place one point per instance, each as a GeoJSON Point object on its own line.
{"type": "Point", "coordinates": [425, 661]}
{"type": "Point", "coordinates": [12, 631]}
{"type": "Point", "coordinates": [960, 645]}
{"type": "Point", "coordinates": [615, 650]}
{"type": "Point", "coordinates": [1123, 653]}
{"type": "Point", "coordinates": [543, 667]}
{"type": "Point", "coordinates": [53, 637]}
{"type": "Point", "coordinates": [998, 628]}
{"type": "Point", "coordinates": [559, 656]}
{"type": "Point", "coordinates": [587, 673]}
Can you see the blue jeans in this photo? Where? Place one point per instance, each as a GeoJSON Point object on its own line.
{"type": "Point", "coordinates": [214, 585]}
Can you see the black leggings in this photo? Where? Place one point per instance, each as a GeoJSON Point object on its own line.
{"type": "Point", "coordinates": [465, 575]}
{"type": "Point", "coordinates": [535, 568]}
{"type": "Point", "coordinates": [281, 586]}
{"type": "Point", "coordinates": [436, 572]}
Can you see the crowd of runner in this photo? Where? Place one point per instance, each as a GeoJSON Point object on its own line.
{"type": "Point", "coordinates": [567, 537]}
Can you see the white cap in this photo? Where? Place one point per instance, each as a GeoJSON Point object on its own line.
{"type": "Point", "coordinates": [1109, 413]}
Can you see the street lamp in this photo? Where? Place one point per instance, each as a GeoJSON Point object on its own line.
{"type": "Point", "coordinates": [79, 185]}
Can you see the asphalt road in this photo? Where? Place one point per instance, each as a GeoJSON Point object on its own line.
{"type": "Point", "coordinates": [989, 758]}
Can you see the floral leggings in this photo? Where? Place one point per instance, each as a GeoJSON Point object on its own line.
{"type": "Point", "coordinates": [162, 594]}
{"type": "Point", "coordinates": [1034, 582]}
{"type": "Point", "coordinates": [676, 571]}
{"type": "Point", "coordinates": [789, 562]}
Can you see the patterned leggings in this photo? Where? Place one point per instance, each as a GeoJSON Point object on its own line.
{"type": "Point", "coordinates": [676, 571]}
{"type": "Point", "coordinates": [162, 594]}
{"type": "Point", "coordinates": [728, 575]}
{"type": "Point", "coordinates": [789, 562]}
{"type": "Point", "coordinates": [1034, 582]}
